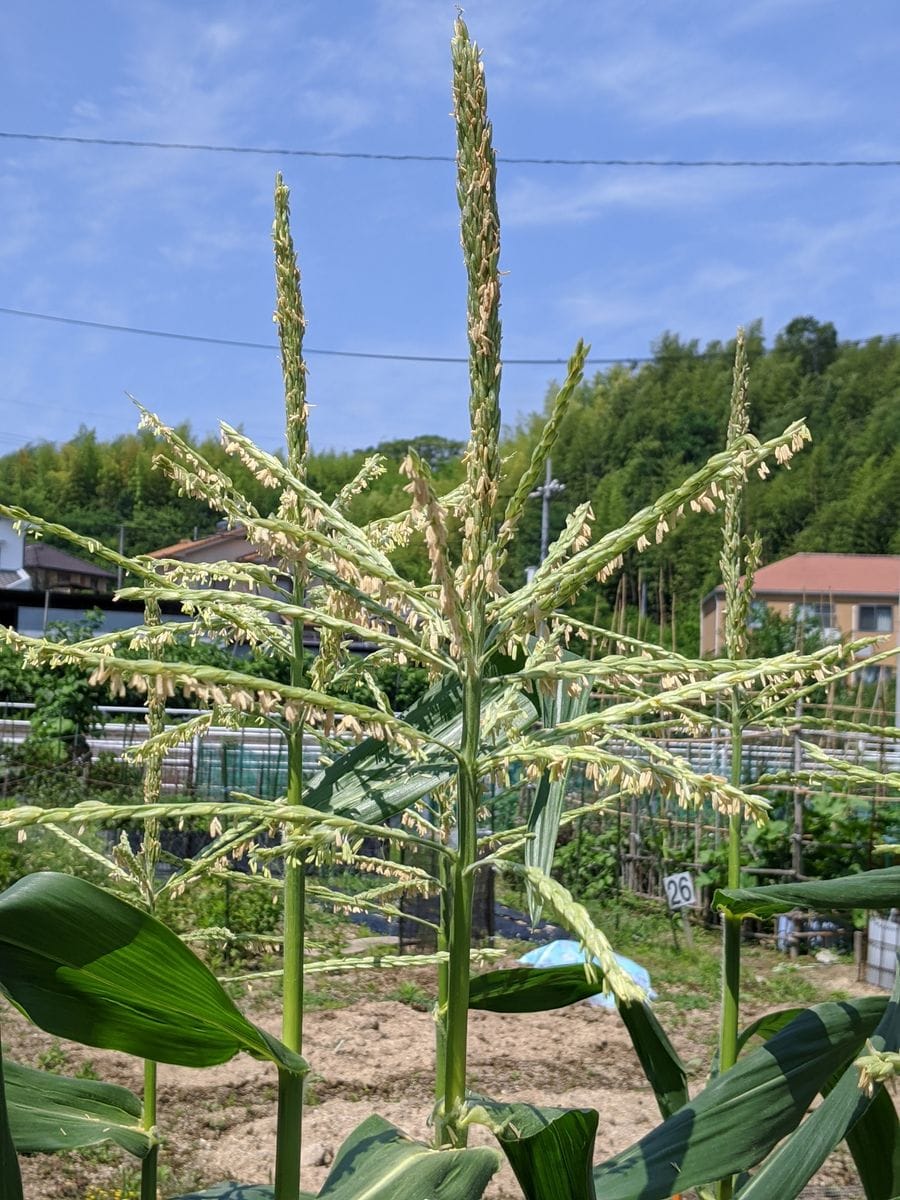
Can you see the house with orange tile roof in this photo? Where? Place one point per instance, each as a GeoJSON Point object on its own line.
{"type": "Point", "coordinates": [847, 595]}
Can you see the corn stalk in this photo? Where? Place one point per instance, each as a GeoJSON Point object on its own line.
{"type": "Point", "coordinates": [291, 324]}
{"type": "Point", "coordinates": [737, 599]}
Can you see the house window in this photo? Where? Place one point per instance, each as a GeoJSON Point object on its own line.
{"type": "Point", "coordinates": [756, 616]}
{"type": "Point", "coordinates": [822, 613]}
{"type": "Point", "coordinates": [875, 618]}
{"type": "Point", "coordinates": [871, 673]}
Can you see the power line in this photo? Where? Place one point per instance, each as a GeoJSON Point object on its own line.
{"type": "Point", "coordinates": [270, 347]}
{"type": "Point", "coordinates": [371, 156]}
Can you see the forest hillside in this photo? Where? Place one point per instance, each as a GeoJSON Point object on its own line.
{"type": "Point", "coordinates": [631, 432]}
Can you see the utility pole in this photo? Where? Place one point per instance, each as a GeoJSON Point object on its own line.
{"type": "Point", "coordinates": [797, 835]}
{"type": "Point", "coordinates": [120, 575]}
{"type": "Point", "coordinates": [551, 487]}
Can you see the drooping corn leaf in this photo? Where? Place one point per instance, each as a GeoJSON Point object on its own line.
{"type": "Point", "coordinates": [550, 1149]}
{"type": "Point", "coordinates": [52, 1112]}
{"type": "Point", "coordinates": [531, 989]}
{"type": "Point", "coordinates": [763, 1027]}
{"type": "Point", "coordinates": [869, 889]}
{"type": "Point", "coordinates": [556, 706]}
{"type": "Point", "coordinates": [82, 964]}
{"type": "Point", "coordinates": [768, 1025]}
{"type": "Point", "coordinates": [660, 1060]}
{"type": "Point", "coordinates": [379, 1162]}
{"type": "Point", "coordinates": [10, 1176]}
{"type": "Point", "coordinates": [739, 1117]}
{"type": "Point", "coordinates": [874, 1142]}
{"type": "Point", "coordinates": [373, 781]}
{"type": "Point", "coordinates": [539, 989]}
{"type": "Point", "coordinates": [869, 1139]}
{"type": "Point", "coordinates": [843, 1114]}
{"type": "Point", "coordinates": [799, 1157]}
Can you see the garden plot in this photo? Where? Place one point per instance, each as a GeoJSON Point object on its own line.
{"type": "Point", "coordinates": [377, 1054]}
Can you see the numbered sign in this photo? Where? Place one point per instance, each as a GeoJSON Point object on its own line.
{"type": "Point", "coordinates": [679, 890]}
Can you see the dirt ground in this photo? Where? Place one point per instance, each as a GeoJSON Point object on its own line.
{"type": "Point", "coordinates": [376, 1055]}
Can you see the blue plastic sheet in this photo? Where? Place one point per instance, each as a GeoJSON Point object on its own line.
{"type": "Point", "coordinates": [564, 952]}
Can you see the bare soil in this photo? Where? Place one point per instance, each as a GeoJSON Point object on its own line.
{"type": "Point", "coordinates": [376, 1055]}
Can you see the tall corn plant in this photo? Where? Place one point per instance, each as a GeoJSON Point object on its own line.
{"type": "Point", "coordinates": [494, 657]}
{"type": "Point", "coordinates": [291, 325]}
{"type": "Point", "coordinates": [737, 573]}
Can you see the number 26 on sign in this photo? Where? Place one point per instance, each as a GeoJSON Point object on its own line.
{"type": "Point", "coordinates": [679, 890]}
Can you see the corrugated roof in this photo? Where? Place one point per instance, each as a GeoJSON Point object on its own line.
{"type": "Point", "coordinates": [837, 574]}
{"type": "Point", "coordinates": [14, 579]}
{"type": "Point", "coordinates": [49, 558]}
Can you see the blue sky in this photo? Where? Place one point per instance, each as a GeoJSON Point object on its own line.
{"type": "Point", "coordinates": [181, 241]}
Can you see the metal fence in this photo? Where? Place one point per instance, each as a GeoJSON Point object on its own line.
{"type": "Point", "coordinates": [254, 759]}
{"type": "Point", "coordinates": [212, 764]}
{"type": "Point", "coordinates": [222, 761]}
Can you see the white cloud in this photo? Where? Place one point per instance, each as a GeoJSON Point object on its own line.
{"type": "Point", "coordinates": [664, 85]}
{"type": "Point", "coordinates": [221, 36]}
{"type": "Point", "coordinates": [570, 198]}
{"type": "Point", "coordinates": [658, 66]}
{"type": "Point", "coordinates": [772, 269]}
{"type": "Point", "coordinates": [86, 110]}
{"type": "Point", "coordinates": [752, 14]}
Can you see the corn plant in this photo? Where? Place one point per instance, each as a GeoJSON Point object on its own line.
{"type": "Point", "coordinates": [510, 688]}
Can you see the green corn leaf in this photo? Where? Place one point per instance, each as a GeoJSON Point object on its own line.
{"type": "Point", "coordinates": [796, 1161]}
{"type": "Point", "coordinates": [768, 1025]}
{"type": "Point", "coordinates": [874, 1142]}
{"type": "Point", "coordinates": [379, 1162]}
{"type": "Point", "coordinates": [739, 1117]}
{"type": "Point", "coordinates": [239, 1191]}
{"type": "Point", "coordinates": [52, 1112]}
{"type": "Point", "coordinates": [10, 1176]}
{"type": "Point", "coordinates": [373, 782]}
{"type": "Point", "coordinates": [550, 1149]}
{"type": "Point", "coordinates": [531, 989]}
{"type": "Point", "coordinates": [661, 1063]}
{"type": "Point", "coordinates": [84, 965]}
{"type": "Point", "coordinates": [869, 889]}
{"type": "Point", "coordinates": [763, 1027]}
{"type": "Point", "coordinates": [538, 989]}
{"type": "Point", "coordinates": [875, 1131]}
{"type": "Point", "coordinates": [871, 1130]}
{"type": "Point", "coordinates": [557, 706]}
